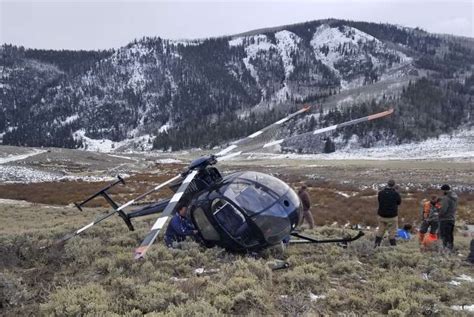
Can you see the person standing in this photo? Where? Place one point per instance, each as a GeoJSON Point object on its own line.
{"type": "Point", "coordinates": [429, 218]}
{"type": "Point", "coordinates": [389, 200]}
{"type": "Point", "coordinates": [447, 216]}
{"type": "Point", "coordinates": [306, 202]}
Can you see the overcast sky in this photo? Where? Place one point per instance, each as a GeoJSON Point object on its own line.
{"type": "Point", "coordinates": [88, 24]}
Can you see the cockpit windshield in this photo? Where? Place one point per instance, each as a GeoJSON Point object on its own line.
{"type": "Point", "coordinates": [276, 185]}
{"type": "Point", "coordinates": [264, 200]}
{"type": "Point", "coordinates": [255, 191]}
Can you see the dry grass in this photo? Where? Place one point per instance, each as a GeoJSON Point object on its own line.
{"type": "Point", "coordinates": [95, 274]}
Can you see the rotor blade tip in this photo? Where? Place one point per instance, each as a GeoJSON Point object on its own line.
{"type": "Point", "coordinates": [139, 252]}
{"type": "Point", "coordinates": [138, 256]}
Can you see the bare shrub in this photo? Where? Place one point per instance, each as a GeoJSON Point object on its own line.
{"type": "Point", "coordinates": [194, 287]}
{"type": "Point", "coordinates": [224, 303]}
{"type": "Point", "coordinates": [13, 291]}
{"type": "Point", "coordinates": [305, 278]}
{"type": "Point", "coordinates": [397, 257]}
{"type": "Point", "coordinates": [294, 305]}
{"type": "Point", "coordinates": [362, 248]}
{"type": "Point", "coordinates": [342, 299]}
{"type": "Point", "coordinates": [196, 308]}
{"type": "Point", "coordinates": [345, 267]}
{"type": "Point", "coordinates": [132, 295]}
{"type": "Point", "coordinates": [251, 302]}
{"type": "Point", "coordinates": [89, 299]}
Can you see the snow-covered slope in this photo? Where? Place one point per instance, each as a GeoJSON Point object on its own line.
{"type": "Point", "coordinates": [345, 50]}
{"type": "Point", "coordinates": [456, 146]}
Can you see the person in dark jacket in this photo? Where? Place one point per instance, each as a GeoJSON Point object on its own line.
{"type": "Point", "coordinates": [447, 216]}
{"type": "Point", "coordinates": [306, 202]}
{"type": "Point", "coordinates": [179, 227]}
{"type": "Point", "coordinates": [389, 200]}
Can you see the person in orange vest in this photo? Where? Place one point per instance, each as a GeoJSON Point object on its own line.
{"type": "Point", "coordinates": [430, 218]}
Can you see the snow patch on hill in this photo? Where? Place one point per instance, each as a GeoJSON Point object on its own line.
{"type": "Point", "coordinates": [333, 45]}
{"type": "Point", "coordinates": [458, 146]}
{"type": "Point", "coordinates": [13, 158]}
{"type": "Point", "coordinates": [254, 45]}
{"type": "Point", "coordinates": [287, 45]}
{"type": "Point", "coordinates": [21, 174]}
{"type": "Point", "coordinates": [143, 143]}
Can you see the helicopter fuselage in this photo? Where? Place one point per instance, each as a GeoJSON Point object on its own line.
{"type": "Point", "coordinates": [245, 211]}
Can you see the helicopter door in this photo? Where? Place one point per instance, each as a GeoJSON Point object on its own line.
{"type": "Point", "coordinates": [205, 227]}
{"type": "Point", "coordinates": [230, 218]}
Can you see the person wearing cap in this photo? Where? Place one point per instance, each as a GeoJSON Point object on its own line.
{"type": "Point", "coordinates": [389, 199]}
{"type": "Point", "coordinates": [447, 216]}
{"type": "Point", "coordinates": [306, 202]}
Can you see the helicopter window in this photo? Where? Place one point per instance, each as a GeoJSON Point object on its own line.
{"type": "Point", "coordinates": [205, 227]}
{"type": "Point", "coordinates": [230, 218]}
{"type": "Point", "coordinates": [274, 223]}
{"type": "Point", "coordinates": [279, 187]}
{"type": "Point", "coordinates": [252, 197]}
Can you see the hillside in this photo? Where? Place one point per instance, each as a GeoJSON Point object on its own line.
{"type": "Point", "coordinates": [180, 94]}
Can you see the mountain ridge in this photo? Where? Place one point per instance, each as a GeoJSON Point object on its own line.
{"type": "Point", "coordinates": [154, 88]}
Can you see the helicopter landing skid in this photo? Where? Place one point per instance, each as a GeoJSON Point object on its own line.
{"type": "Point", "coordinates": [307, 239]}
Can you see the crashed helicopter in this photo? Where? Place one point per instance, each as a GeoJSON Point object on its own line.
{"type": "Point", "coordinates": [243, 211]}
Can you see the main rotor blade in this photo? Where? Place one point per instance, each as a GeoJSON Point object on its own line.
{"type": "Point", "coordinates": [334, 127]}
{"type": "Point", "coordinates": [159, 186]}
{"type": "Point", "coordinates": [255, 134]}
{"type": "Point", "coordinates": [77, 232]}
{"type": "Point", "coordinates": [161, 221]}
{"type": "Point", "coordinates": [101, 218]}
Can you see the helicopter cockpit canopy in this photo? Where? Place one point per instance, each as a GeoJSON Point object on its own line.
{"type": "Point", "coordinates": [264, 200]}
